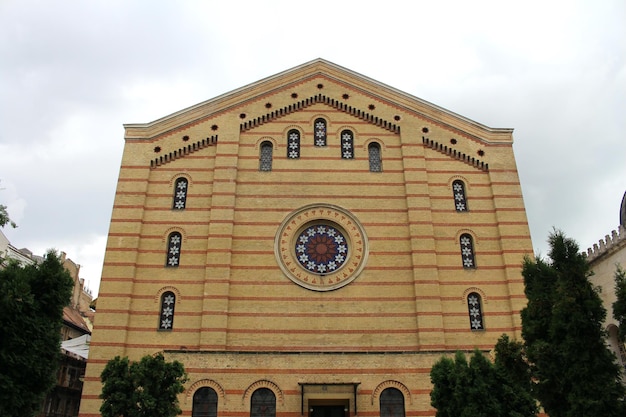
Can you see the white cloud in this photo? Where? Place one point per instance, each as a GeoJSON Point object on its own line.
{"type": "Point", "coordinates": [73, 72]}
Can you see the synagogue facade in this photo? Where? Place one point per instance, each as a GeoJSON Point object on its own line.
{"type": "Point", "coordinates": [309, 245]}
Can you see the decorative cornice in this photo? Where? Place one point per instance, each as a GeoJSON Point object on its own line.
{"type": "Point", "coordinates": [191, 148]}
{"type": "Point", "coordinates": [476, 163]}
{"type": "Point", "coordinates": [320, 98]}
{"type": "Point", "coordinates": [608, 245]}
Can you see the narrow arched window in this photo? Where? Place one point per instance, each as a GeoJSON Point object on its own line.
{"type": "Point", "coordinates": [263, 403]}
{"type": "Point", "coordinates": [475, 310]}
{"type": "Point", "coordinates": [265, 157]}
{"type": "Point", "coordinates": [180, 193]}
{"type": "Point", "coordinates": [320, 132]}
{"type": "Point", "coordinates": [467, 251]}
{"type": "Point", "coordinates": [391, 403]}
{"type": "Point", "coordinates": [204, 403]}
{"type": "Point", "coordinates": [293, 144]}
{"type": "Point", "coordinates": [373, 150]}
{"type": "Point", "coordinates": [166, 319]}
{"type": "Point", "coordinates": [174, 244]}
{"type": "Point", "coordinates": [347, 144]}
{"type": "Point", "coordinates": [460, 199]}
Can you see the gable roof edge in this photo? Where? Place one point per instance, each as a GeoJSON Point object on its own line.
{"type": "Point", "coordinates": [473, 127]}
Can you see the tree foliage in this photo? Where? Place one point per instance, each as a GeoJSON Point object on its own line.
{"type": "Point", "coordinates": [573, 371]}
{"type": "Point", "coordinates": [4, 217]}
{"type": "Point", "coordinates": [32, 298]}
{"type": "Point", "coordinates": [148, 388]}
{"type": "Point", "coordinates": [481, 388]}
{"type": "Point", "coordinates": [619, 306]}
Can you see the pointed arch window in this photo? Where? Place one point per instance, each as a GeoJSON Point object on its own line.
{"type": "Point", "coordinates": [263, 403]}
{"type": "Point", "coordinates": [204, 403]}
{"type": "Point", "coordinates": [320, 132]}
{"type": "Point", "coordinates": [475, 311]}
{"type": "Point", "coordinates": [166, 319]}
{"type": "Point", "coordinates": [265, 156]}
{"type": "Point", "coordinates": [376, 164]}
{"type": "Point", "coordinates": [391, 403]}
{"type": "Point", "coordinates": [180, 193]}
{"type": "Point", "coordinates": [467, 251]}
{"type": "Point", "coordinates": [460, 199]}
{"type": "Point", "coordinates": [347, 144]}
{"type": "Point", "coordinates": [293, 144]}
{"type": "Point", "coordinates": [174, 244]}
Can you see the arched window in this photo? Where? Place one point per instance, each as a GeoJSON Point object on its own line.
{"type": "Point", "coordinates": [347, 144]}
{"type": "Point", "coordinates": [293, 144]}
{"type": "Point", "coordinates": [391, 403]}
{"type": "Point", "coordinates": [174, 244]}
{"type": "Point", "coordinates": [460, 200]}
{"type": "Point", "coordinates": [475, 310]}
{"type": "Point", "coordinates": [467, 251]}
{"type": "Point", "coordinates": [166, 318]}
{"type": "Point", "coordinates": [373, 150]}
{"type": "Point", "coordinates": [204, 403]}
{"type": "Point", "coordinates": [180, 194]}
{"type": "Point", "coordinates": [320, 132]}
{"type": "Point", "coordinates": [265, 157]}
{"type": "Point", "coordinates": [263, 403]}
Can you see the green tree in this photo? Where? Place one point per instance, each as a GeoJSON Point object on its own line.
{"type": "Point", "coordinates": [574, 372]}
{"type": "Point", "coordinates": [148, 388]}
{"type": "Point", "coordinates": [4, 217]}
{"type": "Point", "coordinates": [481, 388]}
{"type": "Point", "coordinates": [32, 298]}
{"type": "Point", "coordinates": [619, 306]}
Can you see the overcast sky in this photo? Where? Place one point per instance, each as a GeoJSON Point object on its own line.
{"type": "Point", "coordinates": [72, 72]}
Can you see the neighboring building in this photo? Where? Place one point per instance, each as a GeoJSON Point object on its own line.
{"type": "Point", "coordinates": [64, 399]}
{"type": "Point", "coordinates": [604, 258]}
{"type": "Point", "coordinates": [310, 244]}
{"type": "Point", "coordinates": [23, 256]}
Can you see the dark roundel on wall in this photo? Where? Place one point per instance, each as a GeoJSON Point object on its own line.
{"type": "Point", "coordinates": [321, 247]}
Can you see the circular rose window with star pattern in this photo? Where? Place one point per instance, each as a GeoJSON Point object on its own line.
{"type": "Point", "coordinates": [321, 247]}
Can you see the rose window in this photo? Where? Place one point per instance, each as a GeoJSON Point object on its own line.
{"type": "Point", "coordinates": [321, 249]}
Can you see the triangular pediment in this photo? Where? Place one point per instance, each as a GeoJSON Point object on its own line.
{"type": "Point", "coordinates": [319, 81]}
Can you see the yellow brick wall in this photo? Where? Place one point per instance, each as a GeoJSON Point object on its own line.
{"type": "Point", "coordinates": [387, 327]}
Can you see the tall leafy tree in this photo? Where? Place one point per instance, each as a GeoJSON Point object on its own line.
{"type": "Point", "coordinates": [148, 388]}
{"type": "Point", "coordinates": [574, 372]}
{"type": "Point", "coordinates": [480, 388]}
{"type": "Point", "coordinates": [619, 306]}
{"type": "Point", "coordinates": [32, 298]}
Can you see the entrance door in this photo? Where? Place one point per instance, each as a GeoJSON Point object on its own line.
{"type": "Point", "coordinates": [328, 411]}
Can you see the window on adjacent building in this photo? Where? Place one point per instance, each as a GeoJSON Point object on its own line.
{"type": "Point", "coordinates": [265, 157]}
{"type": "Point", "coordinates": [293, 144]}
{"type": "Point", "coordinates": [204, 403]}
{"type": "Point", "coordinates": [166, 319]}
{"type": "Point", "coordinates": [460, 199]}
{"type": "Point", "coordinates": [174, 244]}
{"type": "Point", "coordinates": [467, 251]}
{"type": "Point", "coordinates": [373, 150]}
{"type": "Point", "coordinates": [263, 403]}
{"type": "Point", "coordinates": [391, 403]}
{"type": "Point", "coordinates": [475, 310]}
{"type": "Point", "coordinates": [320, 132]}
{"type": "Point", "coordinates": [180, 194]}
{"type": "Point", "coordinates": [347, 144]}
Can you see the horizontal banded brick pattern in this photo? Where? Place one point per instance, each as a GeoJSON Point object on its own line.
{"type": "Point", "coordinates": [239, 320]}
